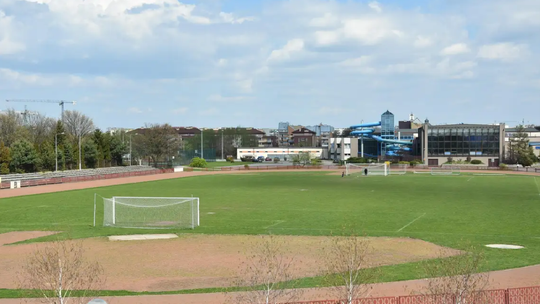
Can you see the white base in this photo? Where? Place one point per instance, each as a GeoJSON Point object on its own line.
{"type": "Point", "coordinates": [139, 237]}
{"type": "Point", "coordinates": [504, 246]}
{"type": "Point", "coordinates": [178, 169]}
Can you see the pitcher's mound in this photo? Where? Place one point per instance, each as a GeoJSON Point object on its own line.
{"type": "Point", "coordinates": [138, 237]}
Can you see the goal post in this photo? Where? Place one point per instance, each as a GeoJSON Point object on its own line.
{"type": "Point", "coordinates": [366, 169]}
{"type": "Point", "coordinates": [446, 170]}
{"type": "Point", "coordinates": [398, 169]}
{"type": "Point", "coordinates": [151, 212]}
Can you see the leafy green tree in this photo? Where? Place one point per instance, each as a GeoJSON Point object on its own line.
{"type": "Point", "coordinates": [302, 158]}
{"type": "Point", "coordinates": [90, 153]}
{"type": "Point", "coordinates": [23, 157]}
{"type": "Point", "coordinates": [5, 158]}
{"type": "Point", "coordinates": [117, 150]}
{"type": "Point", "coordinates": [519, 150]}
{"type": "Point", "coordinates": [157, 142]}
{"type": "Point", "coordinates": [46, 157]}
{"type": "Point", "coordinates": [69, 160]}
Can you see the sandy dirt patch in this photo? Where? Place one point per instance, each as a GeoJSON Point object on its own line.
{"type": "Point", "coordinates": [199, 261]}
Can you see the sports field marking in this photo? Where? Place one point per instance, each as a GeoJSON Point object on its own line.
{"type": "Point", "coordinates": [416, 219]}
{"type": "Point", "coordinates": [277, 222]}
{"type": "Point", "coordinates": [470, 178]}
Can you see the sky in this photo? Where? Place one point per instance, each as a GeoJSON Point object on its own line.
{"type": "Point", "coordinates": [214, 63]}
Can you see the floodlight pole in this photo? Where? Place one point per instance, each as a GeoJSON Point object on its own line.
{"type": "Point", "coordinates": [130, 149]}
{"type": "Point", "coordinates": [80, 154]}
{"type": "Point", "coordinates": [222, 144]}
{"type": "Point", "coordinates": [202, 146]}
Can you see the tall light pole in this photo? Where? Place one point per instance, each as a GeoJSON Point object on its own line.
{"type": "Point", "coordinates": [56, 149]}
{"type": "Point", "coordinates": [222, 144]}
{"type": "Point", "coordinates": [202, 151]}
{"type": "Point", "coordinates": [80, 154]}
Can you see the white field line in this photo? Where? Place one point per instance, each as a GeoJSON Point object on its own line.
{"type": "Point", "coordinates": [275, 224]}
{"type": "Point", "coordinates": [470, 178]}
{"type": "Point", "coordinates": [416, 219]}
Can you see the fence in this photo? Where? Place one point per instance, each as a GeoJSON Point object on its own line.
{"type": "Point", "coordinates": [526, 295]}
{"type": "Point", "coordinates": [268, 167]}
{"type": "Point", "coordinates": [63, 180]}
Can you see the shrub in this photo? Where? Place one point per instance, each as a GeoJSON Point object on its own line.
{"type": "Point", "coordinates": [276, 160]}
{"type": "Point", "coordinates": [403, 162]}
{"type": "Point", "coordinates": [476, 162]}
{"type": "Point", "coordinates": [230, 159]}
{"type": "Point", "coordinates": [198, 163]}
{"type": "Point", "coordinates": [450, 160]}
{"type": "Point", "coordinates": [246, 166]}
{"type": "Point", "coordinates": [503, 166]}
{"type": "Point", "coordinates": [316, 161]}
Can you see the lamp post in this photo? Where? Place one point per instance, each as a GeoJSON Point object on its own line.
{"type": "Point", "coordinates": [56, 149]}
{"type": "Point", "coordinates": [130, 149]}
{"type": "Point", "coordinates": [80, 154]}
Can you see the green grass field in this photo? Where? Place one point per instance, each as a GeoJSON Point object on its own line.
{"type": "Point", "coordinates": [446, 210]}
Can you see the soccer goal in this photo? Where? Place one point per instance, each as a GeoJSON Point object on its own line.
{"type": "Point", "coordinates": [151, 212]}
{"type": "Point", "coordinates": [398, 169]}
{"type": "Point", "coordinates": [365, 169]}
{"type": "Point", "coordinates": [445, 170]}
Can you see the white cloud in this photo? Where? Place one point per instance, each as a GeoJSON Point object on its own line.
{"type": "Point", "coordinates": [422, 42]}
{"type": "Point", "coordinates": [182, 110]}
{"type": "Point", "coordinates": [464, 75]}
{"type": "Point", "coordinates": [455, 49]}
{"type": "Point", "coordinates": [229, 18]}
{"type": "Point", "coordinates": [375, 6]}
{"type": "Point", "coordinates": [292, 46]}
{"type": "Point", "coordinates": [503, 51]}
{"type": "Point", "coordinates": [327, 37]}
{"type": "Point", "coordinates": [222, 62]}
{"type": "Point", "coordinates": [8, 47]}
{"type": "Point", "coordinates": [327, 20]}
{"type": "Point", "coordinates": [25, 78]}
{"type": "Point", "coordinates": [369, 31]}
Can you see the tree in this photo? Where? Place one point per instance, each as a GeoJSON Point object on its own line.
{"type": "Point", "coordinates": [23, 157]}
{"type": "Point", "coordinates": [77, 125]}
{"type": "Point", "coordinates": [302, 158]}
{"type": "Point", "coordinates": [117, 150]}
{"type": "Point", "coordinates": [5, 158]}
{"type": "Point", "coordinates": [10, 126]}
{"type": "Point", "coordinates": [519, 150]}
{"type": "Point", "coordinates": [267, 274]}
{"type": "Point", "coordinates": [157, 142]}
{"type": "Point", "coordinates": [60, 274]}
{"type": "Point", "coordinates": [90, 153]}
{"type": "Point", "coordinates": [347, 269]}
{"type": "Point", "coordinates": [46, 157]}
{"type": "Point", "coordinates": [346, 132]}
{"type": "Point", "coordinates": [198, 163]}
{"type": "Point", "coordinates": [456, 279]}
{"type": "Point", "coordinates": [40, 129]}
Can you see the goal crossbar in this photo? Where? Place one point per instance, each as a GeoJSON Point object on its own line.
{"type": "Point", "coordinates": [151, 212]}
{"type": "Point", "coordinates": [366, 169]}
{"type": "Point", "coordinates": [445, 170]}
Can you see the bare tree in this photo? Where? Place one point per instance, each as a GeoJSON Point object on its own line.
{"type": "Point", "coordinates": [456, 279]}
{"type": "Point", "coordinates": [10, 124]}
{"type": "Point", "coordinates": [78, 124]}
{"type": "Point", "coordinates": [158, 142]}
{"type": "Point", "coordinates": [267, 274]}
{"type": "Point", "coordinates": [347, 269]}
{"type": "Point", "coordinates": [60, 274]}
{"type": "Point", "coordinates": [41, 128]}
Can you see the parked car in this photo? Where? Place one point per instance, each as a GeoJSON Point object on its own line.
{"type": "Point", "coordinates": [268, 159]}
{"type": "Point", "coordinates": [255, 160]}
{"type": "Point", "coordinates": [260, 158]}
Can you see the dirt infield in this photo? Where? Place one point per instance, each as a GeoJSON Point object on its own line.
{"type": "Point", "coordinates": [200, 261]}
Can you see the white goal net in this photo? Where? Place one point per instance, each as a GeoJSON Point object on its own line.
{"type": "Point", "coordinates": [398, 169]}
{"type": "Point", "coordinates": [445, 170]}
{"type": "Point", "coordinates": [151, 212]}
{"type": "Point", "coordinates": [366, 169]}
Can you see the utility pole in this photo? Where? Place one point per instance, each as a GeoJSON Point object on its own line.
{"type": "Point", "coordinates": [202, 146]}
{"type": "Point", "coordinates": [130, 149]}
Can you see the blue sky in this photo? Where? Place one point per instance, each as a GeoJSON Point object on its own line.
{"type": "Point", "coordinates": [214, 63]}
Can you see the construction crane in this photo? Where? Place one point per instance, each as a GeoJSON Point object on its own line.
{"type": "Point", "coordinates": [59, 102]}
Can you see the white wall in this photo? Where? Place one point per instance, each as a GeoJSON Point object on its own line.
{"type": "Point", "coordinates": [280, 152]}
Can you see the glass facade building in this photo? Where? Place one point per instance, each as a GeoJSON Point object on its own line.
{"type": "Point", "coordinates": [387, 125]}
{"type": "Point", "coordinates": [464, 140]}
